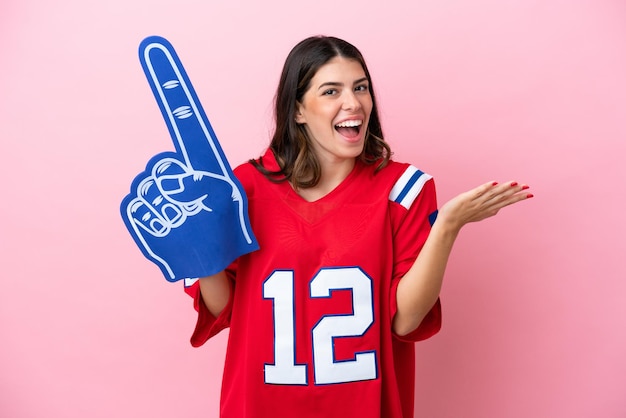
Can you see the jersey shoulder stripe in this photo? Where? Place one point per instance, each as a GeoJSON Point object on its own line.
{"type": "Point", "coordinates": [408, 186]}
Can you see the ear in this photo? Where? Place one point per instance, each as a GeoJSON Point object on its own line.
{"type": "Point", "coordinates": [299, 115]}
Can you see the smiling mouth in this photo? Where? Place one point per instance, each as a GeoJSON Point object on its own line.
{"type": "Point", "coordinates": [349, 128]}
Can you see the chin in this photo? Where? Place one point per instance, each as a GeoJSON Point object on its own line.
{"type": "Point", "coordinates": [354, 151]}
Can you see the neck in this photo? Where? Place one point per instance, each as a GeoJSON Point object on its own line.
{"type": "Point", "coordinates": [333, 174]}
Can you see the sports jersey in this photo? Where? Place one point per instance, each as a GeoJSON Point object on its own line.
{"type": "Point", "coordinates": [310, 314]}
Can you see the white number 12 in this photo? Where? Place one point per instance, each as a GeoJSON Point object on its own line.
{"type": "Point", "coordinates": [280, 288]}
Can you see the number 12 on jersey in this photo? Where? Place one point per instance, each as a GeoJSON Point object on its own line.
{"type": "Point", "coordinates": [279, 287]}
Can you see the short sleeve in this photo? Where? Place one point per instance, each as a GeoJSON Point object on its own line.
{"type": "Point", "coordinates": [208, 325]}
{"type": "Point", "coordinates": [413, 208]}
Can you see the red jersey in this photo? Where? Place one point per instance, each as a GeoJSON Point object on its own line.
{"type": "Point", "coordinates": [311, 312]}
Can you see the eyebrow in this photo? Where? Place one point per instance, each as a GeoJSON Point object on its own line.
{"type": "Point", "coordinates": [337, 84]}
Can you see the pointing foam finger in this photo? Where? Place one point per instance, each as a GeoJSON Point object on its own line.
{"type": "Point", "coordinates": [188, 125]}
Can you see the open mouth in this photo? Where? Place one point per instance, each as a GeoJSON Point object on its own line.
{"type": "Point", "coordinates": [349, 128]}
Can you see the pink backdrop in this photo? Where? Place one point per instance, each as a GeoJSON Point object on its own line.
{"type": "Point", "coordinates": [534, 90]}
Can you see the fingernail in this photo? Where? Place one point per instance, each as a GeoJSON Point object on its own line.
{"type": "Point", "coordinates": [529, 195]}
{"type": "Point", "coordinates": [525, 187]}
{"type": "Point", "coordinates": [514, 184]}
{"type": "Point", "coordinates": [495, 183]}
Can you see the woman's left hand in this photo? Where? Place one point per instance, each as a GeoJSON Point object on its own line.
{"type": "Point", "coordinates": [482, 202]}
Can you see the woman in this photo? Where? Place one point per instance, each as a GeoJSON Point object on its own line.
{"type": "Point", "coordinates": [324, 317]}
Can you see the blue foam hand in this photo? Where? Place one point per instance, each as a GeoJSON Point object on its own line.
{"type": "Point", "coordinates": [187, 211]}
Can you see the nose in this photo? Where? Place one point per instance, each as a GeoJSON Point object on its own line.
{"type": "Point", "coordinates": [351, 101]}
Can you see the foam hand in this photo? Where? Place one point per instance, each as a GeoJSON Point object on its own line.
{"type": "Point", "coordinates": [187, 212]}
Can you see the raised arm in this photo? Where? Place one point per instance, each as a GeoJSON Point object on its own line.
{"type": "Point", "coordinates": [215, 291]}
{"type": "Point", "coordinates": [419, 289]}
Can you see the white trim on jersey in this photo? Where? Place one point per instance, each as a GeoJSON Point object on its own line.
{"type": "Point", "coordinates": [189, 281]}
{"type": "Point", "coordinates": [408, 186]}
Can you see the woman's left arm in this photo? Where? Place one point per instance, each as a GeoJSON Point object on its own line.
{"type": "Point", "coordinates": [419, 288]}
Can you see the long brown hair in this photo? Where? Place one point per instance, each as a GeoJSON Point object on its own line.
{"type": "Point", "coordinates": [290, 143]}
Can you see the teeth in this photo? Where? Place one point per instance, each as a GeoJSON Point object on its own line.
{"type": "Point", "coordinates": [350, 124]}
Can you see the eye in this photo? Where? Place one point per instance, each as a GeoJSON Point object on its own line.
{"type": "Point", "coordinates": [329, 92]}
{"type": "Point", "coordinates": [361, 87]}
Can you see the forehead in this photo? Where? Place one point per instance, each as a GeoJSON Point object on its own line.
{"type": "Point", "coordinates": [340, 70]}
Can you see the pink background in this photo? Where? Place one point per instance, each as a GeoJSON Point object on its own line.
{"type": "Point", "coordinates": [533, 90]}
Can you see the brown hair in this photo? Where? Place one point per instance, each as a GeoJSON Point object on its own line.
{"type": "Point", "coordinates": [290, 143]}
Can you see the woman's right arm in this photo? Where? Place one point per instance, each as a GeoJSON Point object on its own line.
{"type": "Point", "coordinates": [215, 291]}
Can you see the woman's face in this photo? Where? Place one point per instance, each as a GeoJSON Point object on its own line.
{"type": "Point", "coordinates": [335, 110]}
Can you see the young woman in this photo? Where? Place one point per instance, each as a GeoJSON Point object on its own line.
{"type": "Point", "coordinates": [324, 317]}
